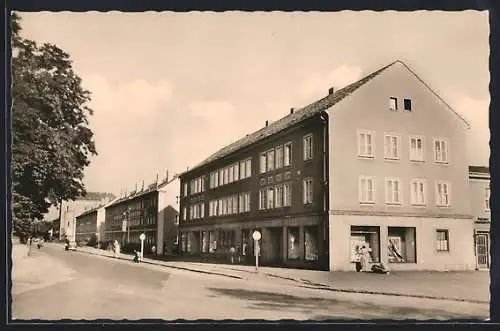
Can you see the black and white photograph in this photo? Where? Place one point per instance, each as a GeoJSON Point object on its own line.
{"type": "Point", "coordinates": [250, 165]}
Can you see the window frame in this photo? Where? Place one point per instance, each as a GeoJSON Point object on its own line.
{"type": "Point", "coordinates": [263, 163]}
{"type": "Point", "coordinates": [447, 149]}
{"type": "Point", "coordinates": [410, 154]}
{"type": "Point", "coordinates": [287, 146]}
{"type": "Point", "coordinates": [361, 154]}
{"type": "Point", "coordinates": [279, 157]}
{"type": "Point", "coordinates": [307, 196]}
{"type": "Point", "coordinates": [399, 192]}
{"type": "Point", "coordinates": [307, 142]}
{"type": "Point", "coordinates": [393, 107]}
{"type": "Point", "coordinates": [487, 197]}
{"type": "Point", "coordinates": [446, 239]}
{"type": "Point", "coordinates": [262, 199]}
{"type": "Point", "coordinates": [398, 146]}
{"type": "Point", "coordinates": [438, 194]}
{"type": "Point", "coordinates": [410, 103]}
{"type": "Point", "coordinates": [414, 199]}
{"type": "Point", "coordinates": [361, 190]}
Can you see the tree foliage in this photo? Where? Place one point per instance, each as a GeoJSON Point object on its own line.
{"type": "Point", "coordinates": [51, 141]}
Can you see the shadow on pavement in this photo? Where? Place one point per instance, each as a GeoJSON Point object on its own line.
{"type": "Point", "coordinates": [328, 308]}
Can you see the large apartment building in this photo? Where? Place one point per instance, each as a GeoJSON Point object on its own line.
{"type": "Point", "coordinates": [90, 223]}
{"type": "Point", "coordinates": [150, 211]}
{"type": "Point", "coordinates": [479, 178]}
{"type": "Point", "coordinates": [380, 163]}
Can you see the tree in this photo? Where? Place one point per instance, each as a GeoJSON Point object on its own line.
{"type": "Point", "coordinates": [51, 141]}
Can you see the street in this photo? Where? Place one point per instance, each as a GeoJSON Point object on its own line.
{"type": "Point", "coordinates": [77, 285]}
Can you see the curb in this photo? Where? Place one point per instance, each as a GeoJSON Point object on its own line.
{"type": "Point", "coordinates": [163, 265]}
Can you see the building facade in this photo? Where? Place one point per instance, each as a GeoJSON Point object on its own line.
{"type": "Point", "coordinates": [479, 178]}
{"type": "Point", "coordinates": [149, 211]}
{"type": "Point", "coordinates": [398, 176]}
{"type": "Point", "coordinates": [272, 180]}
{"type": "Point", "coordinates": [90, 223]}
{"type": "Point", "coordinates": [70, 209]}
{"type": "Point", "coordinates": [380, 163]}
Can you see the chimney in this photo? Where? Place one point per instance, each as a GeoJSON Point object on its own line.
{"type": "Point", "coordinates": [166, 179]}
{"type": "Point", "coordinates": [331, 90]}
{"type": "Point", "coordinates": [291, 110]}
{"type": "Point", "coordinates": [267, 123]}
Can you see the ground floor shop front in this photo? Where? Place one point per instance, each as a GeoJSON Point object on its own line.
{"type": "Point", "coordinates": [402, 243]}
{"type": "Point", "coordinates": [291, 242]}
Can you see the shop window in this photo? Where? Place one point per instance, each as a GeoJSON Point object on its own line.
{"type": "Point", "coordinates": [311, 243]}
{"type": "Point", "coordinates": [401, 246]}
{"type": "Point", "coordinates": [442, 240]}
{"type": "Point", "coordinates": [188, 242]}
{"type": "Point", "coordinates": [212, 243]}
{"type": "Point", "coordinates": [183, 242]}
{"type": "Point", "coordinates": [368, 236]}
{"type": "Point", "coordinates": [204, 242]}
{"type": "Point", "coordinates": [293, 239]}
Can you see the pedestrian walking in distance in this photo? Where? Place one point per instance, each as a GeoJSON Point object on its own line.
{"type": "Point", "coordinates": [136, 256]}
{"type": "Point", "coordinates": [364, 258]}
{"type": "Point", "coordinates": [232, 250]}
{"type": "Point", "coordinates": [116, 248]}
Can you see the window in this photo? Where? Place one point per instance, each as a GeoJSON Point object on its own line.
{"type": "Point", "coordinates": [487, 198]}
{"type": "Point", "coordinates": [184, 213]}
{"type": "Point", "coordinates": [367, 236]}
{"type": "Point", "coordinates": [418, 194]}
{"type": "Point", "coordinates": [288, 154]}
{"type": "Point", "coordinates": [216, 179]}
{"type": "Point", "coordinates": [263, 162]}
{"type": "Point", "coordinates": [248, 168]}
{"type": "Point", "coordinates": [442, 193]}
{"type": "Point", "coordinates": [279, 157]}
{"type": "Point", "coordinates": [202, 210]}
{"type": "Point", "coordinates": [224, 206]}
{"type": "Point", "coordinates": [211, 208]}
{"type": "Point", "coordinates": [442, 240]}
{"type": "Point", "coordinates": [366, 189]}
{"type": "Point", "coordinates": [287, 195]}
{"type": "Point", "coordinates": [185, 189]}
{"type": "Point", "coordinates": [308, 147]}
{"type": "Point", "coordinates": [393, 103]}
{"type": "Point", "coordinates": [221, 177]}
{"type": "Point", "coordinates": [262, 199]}
{"type": "Point", "coordinates": [401, 245]}
{"type": "Point", "coordinates": [229, 205]}
{"type": "Point", "coordinates": [241, 205]}
{"type": "Point", "coordinates": [211, 181]}
{"type": "Point", "coordinates": [308, 191]}
{"type": "Point", "coordinates": [416, 148]}
{"type": "Point", "coordinates": [392, 191]}
{"type": "Point", "coordinates": [242, 170]}
{"type": "Point", "coordinates": [270, 197]}
{"type": "Point", "coordinates": [226, 176]}
{"type": "Point", "coordinates": [391, 146]}
{"type": "Point", "coordinates": [219, 207]}
{"type": "Point", "coordinates": [236, 172]}
{"type": "Point", "coordinates": [235, 204]}
{"type": "Point", "coordinates": [366, 144]}
{"type": "Point", "coordinates": [231, 174]}
{"type": "Point", "coordinates": [311, 235]}
{"type": "Point", "coordinates": [441, 150]}
{"type": "Point", "coordinates": [279, 196]}
{"type": "Point", "coordinates": [293, 239]}
{"type": "Point", "coordinates": [270, 160]}
{"type": "Point", "coordinates": [407, 105]}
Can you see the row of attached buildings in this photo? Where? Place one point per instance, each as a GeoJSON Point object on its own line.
{"type": "Point", "coordinates": [381, 162]}
{"type": "Point", "coordinates": [152, 211]}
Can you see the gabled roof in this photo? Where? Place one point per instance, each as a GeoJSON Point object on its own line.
{"type": "Point", "coordinates": [296, 117]}
{"type": "Point", "coordinates": [155, 187]}
{"type": "Point", "coordinates": [307, 112]}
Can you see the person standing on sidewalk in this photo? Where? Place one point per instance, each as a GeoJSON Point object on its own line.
{"type": "Point", "coordinates": [116, 248]}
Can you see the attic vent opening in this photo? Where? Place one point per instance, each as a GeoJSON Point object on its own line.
{"type": "Point", "coordinates": [331, 90]}
{"type": "Point", "coordinates": [267, 123]}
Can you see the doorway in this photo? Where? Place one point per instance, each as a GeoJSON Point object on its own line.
{"type": "Point", "coordinates": [483, 256]}
{"type": "Point", "coordinates": [275, 253]}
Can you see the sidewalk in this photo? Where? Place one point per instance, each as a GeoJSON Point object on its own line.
{"type": "Point", "coordinates": [35, 271]}
{"type": "Point", "coordinates": [470, 286]}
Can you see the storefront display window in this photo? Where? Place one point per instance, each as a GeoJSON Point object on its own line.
{"type": "Point", "coordinates": [401, 245]}
{"type": "Point", "coordinates": [293, 239]}
{"type": "Point", "coordinates": [204, 242]}
{"type": "Point", "coordinates": [311, 243]}
{"type": "Point", "coordinates": [369, 237]}
{"type": "Point", "coordinates": [212, 242]}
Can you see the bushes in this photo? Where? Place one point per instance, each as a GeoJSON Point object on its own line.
{"type": "Point", "coordinates": [92, 240]}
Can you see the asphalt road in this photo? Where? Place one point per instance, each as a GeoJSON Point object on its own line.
{"type": "Point", "coordinates": [102, 288]}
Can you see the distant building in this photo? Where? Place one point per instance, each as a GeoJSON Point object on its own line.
{"type": "Point", "coordinates": [70, 209]}
{"type": "Point", "coordinates": [89, 223]}
{"type": "Point", "coordinates": [479, 178]}
{"type": "Point", "coordinates": [150, 211]}
{"type": "Point", "coordinates": [379, 163]}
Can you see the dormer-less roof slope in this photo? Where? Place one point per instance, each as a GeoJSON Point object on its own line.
{"type": "Point", "coordinates": [304, 113]}
{"type": "Point", "coordinates": [151, 188]}
{"type": "Point", "coordinates": [297, 116]}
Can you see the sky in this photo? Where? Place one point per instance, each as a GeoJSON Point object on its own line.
{"type": "Point", "coordinates": [169, 89]}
